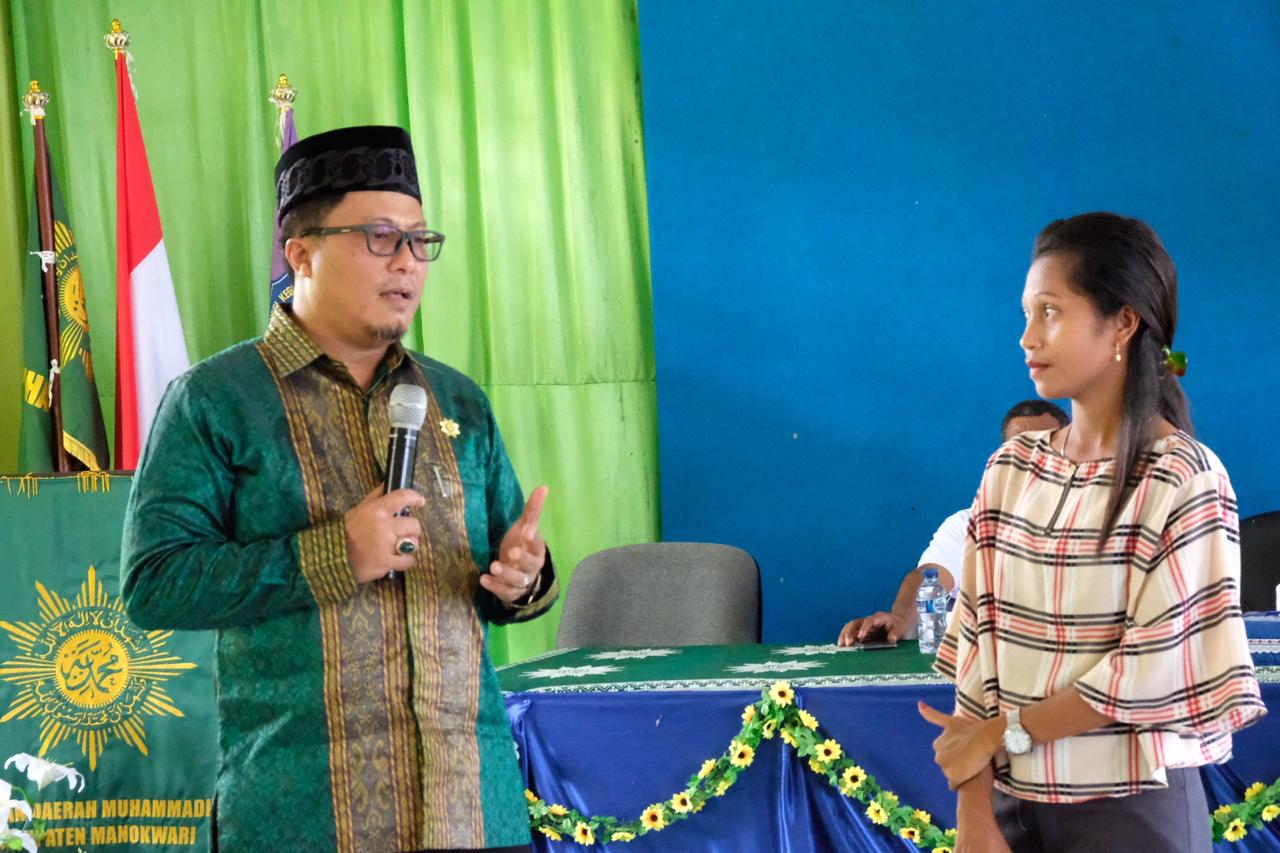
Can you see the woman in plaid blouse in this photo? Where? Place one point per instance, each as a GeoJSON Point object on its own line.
{"type": "Point", "coordinates": [1099, 655]}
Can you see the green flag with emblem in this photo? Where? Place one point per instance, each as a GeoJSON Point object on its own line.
{"type": "Point", "coordinates": [84, 434]}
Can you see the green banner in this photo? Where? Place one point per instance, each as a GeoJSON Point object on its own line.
{"type": "Point", "coordinates": [133, 710]}
{"type": "Point", "coordinates": [83, 432]}
{"type": "Point", "coordinates": [748, 667]}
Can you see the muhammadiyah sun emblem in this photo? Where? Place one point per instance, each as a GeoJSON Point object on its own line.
{"type": "Point", "coordinates": [75, 316]}
{"type": "Point", "coordinates": [88, 672]}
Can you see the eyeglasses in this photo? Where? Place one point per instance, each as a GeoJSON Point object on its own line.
{"type": "Point", "coordinates": [385, 240]}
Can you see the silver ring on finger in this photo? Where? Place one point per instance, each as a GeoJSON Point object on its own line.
{"type": "Point", "coordinates": [406, 546]}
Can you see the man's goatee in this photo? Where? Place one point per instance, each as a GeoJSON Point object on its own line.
{"type": "Point", "coordinates": [390, 334]}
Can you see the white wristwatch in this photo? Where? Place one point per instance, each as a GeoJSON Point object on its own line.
{"type": "Point", "coordinates": [1016, 739]}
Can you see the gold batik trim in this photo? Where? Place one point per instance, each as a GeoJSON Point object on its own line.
{"type": "Point", "coordinates": [452, 806]}
{"type": "Point", "coordinates": [307, 464]}
{"type": "Point", "coordinates": [417, 777]}
{"type": "Point", "coordinates": [290, 349]}
{"type": "Point", "coordinates": [386, 599]}
{"type": "Point", "coordinates": [322, 552]}
{"type": "Point", "coordinates": [402, 754]}
{"type": "Point", "coordinates": [372, 743]}
{"type": "Point", "coordinates": [403, 769]}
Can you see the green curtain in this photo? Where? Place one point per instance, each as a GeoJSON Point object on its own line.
{"type": "Point", "coordinates": [526, 118]}
{"type": "Point", "coordinates": [13, 225]}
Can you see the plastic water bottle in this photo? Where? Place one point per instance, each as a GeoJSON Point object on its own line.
{"type": "Point", "coordinates": [931, 612]}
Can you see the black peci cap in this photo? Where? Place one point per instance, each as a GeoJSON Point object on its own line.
{"type": "Point", "coordinates": [372, 157]}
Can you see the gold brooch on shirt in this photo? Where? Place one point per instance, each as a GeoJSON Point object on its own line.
{"type": "Point", "coordinates": [450, 427]}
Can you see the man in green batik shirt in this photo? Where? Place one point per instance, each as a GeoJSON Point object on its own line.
{"type": "Point", "coordinates": [358, 711]}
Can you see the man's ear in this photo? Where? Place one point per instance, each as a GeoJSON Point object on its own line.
{"type": "Point", "coordinates": [298, 255]}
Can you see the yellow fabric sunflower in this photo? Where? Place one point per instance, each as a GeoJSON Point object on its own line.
{"type": "Point", "coordinates": [828, 750]}
{"type": "Point", "coordinates": [653, 819]}
{"type": "Point", "coordinates": [853, 777]}
{"type": "Point", "coordinates": [583, 834]}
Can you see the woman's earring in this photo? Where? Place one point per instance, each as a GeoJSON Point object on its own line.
{"type": "Point", "coordinates": [1118, 359]}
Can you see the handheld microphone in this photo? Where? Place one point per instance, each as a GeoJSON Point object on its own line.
{"type": "Point", "coordinates": [407, 409]}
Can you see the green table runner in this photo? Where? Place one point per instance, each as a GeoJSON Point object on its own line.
{"type": "Point", "coordinates": [716, 668]}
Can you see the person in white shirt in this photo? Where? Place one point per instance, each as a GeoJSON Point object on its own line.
{"type": "Point", "coordinates": [946, 548]}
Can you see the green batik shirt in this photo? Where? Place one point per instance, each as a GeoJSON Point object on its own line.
{"type": "Point", "coordinates": [354, 717]}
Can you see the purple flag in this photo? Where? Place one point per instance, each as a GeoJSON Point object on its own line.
{"type": "Point", "coordinates": [281, 277]}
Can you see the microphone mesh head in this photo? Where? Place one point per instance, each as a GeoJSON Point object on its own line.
{"type": "Point", "coordinates": [408, 406]}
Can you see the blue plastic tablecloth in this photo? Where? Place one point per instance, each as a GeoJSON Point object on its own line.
{"type": "Point", "coordinates": [610, 732]}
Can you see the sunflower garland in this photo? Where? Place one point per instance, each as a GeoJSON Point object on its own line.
{"type": "Point", "coordinates": [1233, 822]}
{"type": "Point", "coordinates": [775, 713]}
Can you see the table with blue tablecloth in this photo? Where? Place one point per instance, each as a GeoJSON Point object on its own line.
{"type": "Point", "coordinates": [611, 731]}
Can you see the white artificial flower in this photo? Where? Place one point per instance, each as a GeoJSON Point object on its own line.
{"type": "Point", "coordinates": [28, 843]}
{"type": "Point", "coordinates": [45, 772]}
{"type": "Point", "coordinates": [8, 805]}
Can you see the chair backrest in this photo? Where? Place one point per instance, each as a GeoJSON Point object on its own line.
{"type": "Point", "coordinates": [1259, 561]}
{"type": "Point", "coordinates": [662, 594]}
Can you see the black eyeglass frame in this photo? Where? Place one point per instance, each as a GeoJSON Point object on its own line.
{"type": "Point", "coordinates": [434, 240]}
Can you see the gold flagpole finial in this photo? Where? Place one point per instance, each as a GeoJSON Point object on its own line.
{"type": "Point", "coordinates": [283, 94]}
{"type": "Point", "coordinates": [34, 101]}
{"type": "Point", "coordinates": [117, 39]}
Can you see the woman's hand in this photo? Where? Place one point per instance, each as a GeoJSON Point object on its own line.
{"type": "Point", "coordinates": [965, 746]}
{"type": "Point", "coordinates": [976, 827]}
{"type": "Point", "coordinates": [978, 835]}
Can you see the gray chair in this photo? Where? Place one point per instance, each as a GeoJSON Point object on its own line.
{"type": "Point", "coordinates": [662, 594]}
{"type": "Point", "coordinates": [1259, 560]}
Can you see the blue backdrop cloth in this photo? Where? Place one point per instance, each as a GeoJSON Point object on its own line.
{"type": "Point", "coordinates": [842, 200]}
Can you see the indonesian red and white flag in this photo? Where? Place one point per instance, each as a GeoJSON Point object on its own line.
{"type": "Point", "coordinates": [150, 347]}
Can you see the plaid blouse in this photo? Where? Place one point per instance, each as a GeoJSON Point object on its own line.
{"type": "Point", "coordinates": [1148, 629]}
